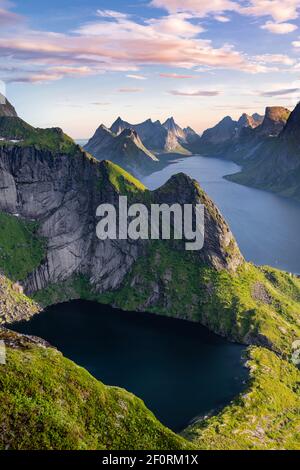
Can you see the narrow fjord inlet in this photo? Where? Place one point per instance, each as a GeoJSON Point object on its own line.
{"type": "Point", "coordinates": [180, 369]}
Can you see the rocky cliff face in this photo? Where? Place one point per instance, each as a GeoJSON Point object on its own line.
{"type": "Point", "coordinates": [62, 192]}
{"type": "Point", "coordinates": [271, 160]}
{"type": "Point", "coordinates": [157, 137]}
{"type": "Point", "coordinates": [124, 148]}
{"type": "Point", "coordinates": [274, 121]}
{"type": "Point", "coordinates": [6, 109]}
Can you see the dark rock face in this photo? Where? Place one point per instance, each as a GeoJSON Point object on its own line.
{"type": "Point", "coordinates": [222, 132]}
{"type": "Point", "coordinates": [274, 162]}
{"type": "Point", "coordinates": [62, 192]}
{"type": "Point", "coordinates": [274, 121]}
{"type": "Point", "coordinates": [6, 109]}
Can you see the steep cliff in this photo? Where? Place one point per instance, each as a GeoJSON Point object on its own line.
{"type": "Point", "coordinates": [274, 164]}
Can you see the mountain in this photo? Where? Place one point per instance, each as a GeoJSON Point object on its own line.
{"type": "Point", "coordinates": [274, 121]}
{"type": "Point", "coordinates": [6, 109]}
{"type": "Point", "coordinates": [159, 138]}
{"type": "Point", "coordinates": [49, 193]}
{"type": "Point", "coordinates": [124, 148]}
{"type": "Point", "coordinates": [275, 162]}
{"type": "Point", "coordinates": [63, 189]}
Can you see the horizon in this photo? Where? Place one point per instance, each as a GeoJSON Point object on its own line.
{"type": "Point", "coordinates": [148, 59]}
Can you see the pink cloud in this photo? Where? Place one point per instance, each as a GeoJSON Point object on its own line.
{"type": "Point", "coordinates": [175, 75]}
{"type": "Point", "coordinates": [279, 28]}
{"type": "Point", "coordinates": [279, 10]}
{"type": "Point", "coordinates": [130, 90]}
{"type": "Point", "coordinates": [119, 44]}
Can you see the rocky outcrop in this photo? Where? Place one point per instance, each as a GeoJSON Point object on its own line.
{"type": "Point", "coordinates": [274, 121]}
{"type": "Point", "coordinates": [63, 191]}
{"type": "Point", "coordinates": [14, 305]}
{"type": "Point", "coordinates": [6, 109]}
{"type": "Point", "coordinates": [272, 160]}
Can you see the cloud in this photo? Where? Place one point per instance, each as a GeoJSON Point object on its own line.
{"type": "Point", "coordinates": [194, 93]}
{"type": "Point", "coordinates": [136, 77]}
{"type": "Point", "coordinates": [176, 76]}
{"type": "Point", "coordinates": [115, 42]}
{"type": "Point", "coordinates": [8, 18]}
{"type": "Point", "coordinates": [279, 10]}
{"type": "Point", "coordinates": [221, 18]}
{"type": "Point", "coordinates": [286, 91]}
{"type": "Point", "coordinates": [130, 90]}
{"type": "Point", "coordinates": [275, 59]}
{"type": "Point", "coordinates": [111, 14]}
{"type": "Point", "coordinates": [279, 28]}
{"type": "Point", "coordinates": [196, 7]}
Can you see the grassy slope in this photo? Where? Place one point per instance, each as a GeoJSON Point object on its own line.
{"type": "Point", "coordinates": [54, 140]}
{"type": "Point", "coordinates": [47, 402]}
{"type": "Point", "coordinates": [267, 416]}
{"type": "Point", "coordinates": [21, 250]}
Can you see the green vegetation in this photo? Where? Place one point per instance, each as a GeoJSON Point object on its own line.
{"type": "Point", "coordinates": [14, 305]}
{"type": "Point", "coordinates": [47, 402]}
{"type": "Point", "coordinates": [122, 181]}
{"type": "Point", "coordinates": [21, 250]}
{"type": "Point", "coordinates": [76, 287]}
{"type": "Point", "coordinates": [54, 140]}
{"type": "Point", "coordinates": [266, 416]}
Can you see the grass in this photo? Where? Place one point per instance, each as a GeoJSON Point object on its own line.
{"type": "Point", "coordinates": [21, 249]}
{"type": "Point", "coordinates": [54, 140]}
{"type": "Point", "coordinates": [122, 181]}
{"type": "Point", "coordinates": [265, 417]}
{"type": "Point", "coordinates": [49, 403]}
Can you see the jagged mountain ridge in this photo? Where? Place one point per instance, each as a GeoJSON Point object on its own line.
{"type": "Point", "coordinates": [274, 164]}
{"type": "Point", "coordinates": [124, 148]}
{"type": "Point", "coordinates": [6, 108]}
{"type": "Point", "coordinates": [150, 142]}
{"type": "Point", "coordinates": [159, 138]}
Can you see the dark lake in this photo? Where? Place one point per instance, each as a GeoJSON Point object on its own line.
{"type": "Point", "coordinates": [180, 369]}
{"type": "Point", "coordinates": [265, 225]}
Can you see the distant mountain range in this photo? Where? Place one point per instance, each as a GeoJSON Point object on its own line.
{"type": "Point", "coordinates": [139, 147]}
{"type": "Point", "coordinates": [267, 147]}
{"type": "Point", "coordinates": [124, 148]}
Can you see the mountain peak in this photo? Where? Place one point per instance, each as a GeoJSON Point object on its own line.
{"type": "Point", "coordinates": [293, 123]}
{"type": "Point", "coordinates": [274, 121]}
{"type": "Point", "coordinates": [6, 109]}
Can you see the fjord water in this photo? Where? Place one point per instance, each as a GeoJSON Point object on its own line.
{"type": "Point", "coordinates": [180, 369]}
{"type": "Point", "coordinates": [266, 226]}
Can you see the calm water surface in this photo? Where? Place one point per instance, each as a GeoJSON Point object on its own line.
{"type": "Point", "coordinates": [180, 369]}
{"type": "Point", "coordinates": [266, 226]}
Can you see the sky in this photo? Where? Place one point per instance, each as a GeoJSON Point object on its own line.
{"type": "Point", "coordinates": [79, 63]}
